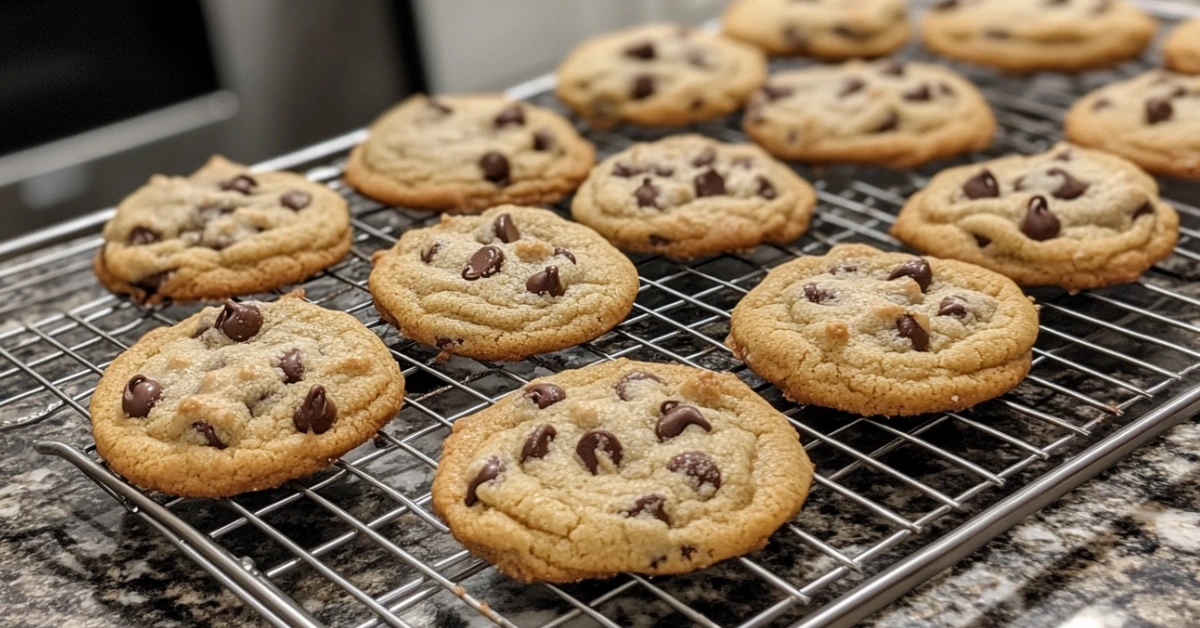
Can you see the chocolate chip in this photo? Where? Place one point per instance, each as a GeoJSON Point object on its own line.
{"type": "Point", "coordinates": [743, 162]}
{"type": "Point", "coordinates": [643, 51]}
{"type": "Point", "coordinates": [981, 240]}
{"type": "Point", "coordinates": [847, 31]}
{"type": "Point", "coordinates": [206, 428]}
{"type": "Point", "coordinates": [646, 194]}
{"type": "Point", "coordinates": [546, 281]}
{"type": "Point", "coordinates": [842, 267]}
{"type": "Point", "coordinates": [427, 254]}
{"type": "Point", "coordinates": [918, 93]}
{"type": "Point", "coordinates": [765, 189]}
{"type": "Point", "coordinates": [1070, 188]}
{"type": "Point", "coordinates": [484, 263]}
{"type": "Point", "coordinates": [953, 306]}
{"type": "Point", "coordinates": [996, 33]}
{"type": "Point", "coordinates": [513, 114]}
{"type": "Point", "coordinates": [1158, 110]}
{"type": "Point", "coordinates": [141, 393]}
{"type": "Point", "coordinates": [151, 283]}
{"type": "Point", "coordinates": [662, 170]}
{"type": "Point", "coordinates": [241, 183]}
{"type": "Point", "coordinates": [444, 343]}
{"type": "Point", "coordinates": [918, 269]}
{"type": "Point", "coordinates": [143, 235]}
{"type": "Point", "coordinates": [706, 157]}
{"type": "Point", "coordinates": [200, 329]}
{"type": "Point", "coordinates": [543, 140]}
{"type": "Point", "coordinates": [316, 413]}
{"type": "Point", "coordinates": [295, 200]}
{"type": "Point", "coordinates": [908, 327]}
{"type": "Point", "coordinates": [238, 321]}
{"type": "Point", "coordinates": [678, 418]}
{"type": "Point", "coordinates": [545, 394]}
{"type": "Point", "coordinates": [558, 250]}
{"type": "Point", "coordinates": [601, 440]}
{"type": "Point", "coordinates": [1039, 222]}
{"type": "Point", "coordinates": [686, 551]}
{"type": "Point", "coordinates": [709, 183]}
{"type": "Point", "coordinates": [622, 386]}
{"type": "Point", "coordinates": [795, 38]}
{"type": "Point", "coordinates": [495, 167]}
{"type": "Point", "coordinates": [1063, 156]}
{"type": "Point", "coordinates": [816, 294]}
{"type": "Point", "coordinates": [292, 366]}
{"type": "Point", "coordinates": [775, 92]}
{"type": "Point", "coordinates": [1144, 210]}
{"type": "Point", "coordinates": [490, 471]}
{"type": "Point", "coordinates": [667, 405]}
{"type": "Point", "coordinates": [506, 229]}
{"type": "Point", "coordinates": [892, 67]}
{"type": "Point", "coordinates": [643, 87]}
{"type": "Point", "coordinates": [697, 465]}
{"type": "Point", "coordinates": [657, 240]}
{"type": "Point", "coordinates": [439, 105]}
{"type": "Point", "coordinates": [944, 5]}
{"type": "Point", "coordinates": [1101, 103]}
{"type": "Point", "coordinates": [654, 505]}
{"type": "Point", "coordinates": [890, 122]}
{"type": "Point", "coordinates": [851, 85]}
{"type": "Point", "coordinates": [537, 444]}
{"type": "Point", "coordinates": [982, 185]}
{"type": "Point", "coordinates": [945, 88]}
{"type": "Point", "coordinates": [625, 170]}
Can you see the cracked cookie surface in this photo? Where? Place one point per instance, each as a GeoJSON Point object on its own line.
{"type": "Point", "coordinates": [620, 466]}
{"type": "Point", "coordinates": [469, 152]}
{"type": "Point", "coordinates": [869, 332]}
{"type": "Point", "coordinates": [660, 74]}
{"type": "Point", "coordinates": [503, 285]}
{"type": "Point", "coordinates": [223, 231]}
{"type": "Point", "coordinates": [1071, 217]}
{"type": "Point", "coordinates": [1181, 51]}
{"type": "Point", "coordinates": [688, 195]}
{"type": "Point", "coordinates": [1029, 35]}
{"type": "Point", "coordinates": [1152, 119]}
{"type": "Point", "coordinates": [887, 112]}
{"type": "Point", "coordinates": [826, 29]}
{"type": "Point", "coordinates": [243, 397]}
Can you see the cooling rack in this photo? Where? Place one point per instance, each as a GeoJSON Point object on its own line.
{"type": "Point", "coordinates": [894, 501]}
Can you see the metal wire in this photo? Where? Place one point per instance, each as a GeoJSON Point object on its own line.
{"type": "Point", "coordinates": [361, 537]}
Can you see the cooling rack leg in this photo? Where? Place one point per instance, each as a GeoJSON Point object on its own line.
{"type": "Point", "coordinates": [241, 578]}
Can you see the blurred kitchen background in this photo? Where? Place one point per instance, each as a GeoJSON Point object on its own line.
{"type": "Point", "coordinates": [96, 96]}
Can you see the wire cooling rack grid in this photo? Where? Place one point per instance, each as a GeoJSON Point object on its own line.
{"type": "Point", "coordinates": [357, 545]}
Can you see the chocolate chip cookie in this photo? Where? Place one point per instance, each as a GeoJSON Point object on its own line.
{"type": "Point", "coordinates": [884, 112]}
{"type": "Point", "coordinates": [243, 397]}
{"type": "Point", "coordinates": [827, 29]}
{"type": "Point", "coordinates": [222, 232]}
{"type": "Point", "coordinates": [1030, 35]}
{"type": "Point", "coordinates": [1181, 51]}
{"type": "Point", "coordinates": [1069, 217]}
{"type": "Point", "coordinates": [659, 75]}
{"type": "Point", "coordinates": [1152, 119]}
{"type": "Point", "coordinates": [620, 466]}
{"type": "Point", "coordinates": [469, 152]}
{"type": "Point", "coordinates": [688, 195]}
{"type": "Point", "coordinates": [504, 285]}
{"type": "Point", "coordinates": [869, 332]}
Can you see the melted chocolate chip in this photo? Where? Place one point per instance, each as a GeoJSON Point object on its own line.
{"type": "Point", "coordinates": [1039, 222]}
{"type": "Point", "coordinates": [546, 281]}
{"type": "Point", "coordinates": [623, 384]}
{"type": "Point", "coordinates": [816, 294]}
{"type": "Point", "coordinates": [706, 157]}
{"type": "Point", "coordinates": [892, 67]}
{"type": "Point", "coordinates": [643, 87]}
{"type": "Point", "coordinates": [953, 306]}
{"type": "Point", "coordinates": [506, 229]}
{"type": "Point", "coordinates": [495, 168]}
{"type": "Point", "coordinates": [625, 171]}
{"type": "Point", "coordinates": [1145, 209]}
{"type": "Point", "coordinates": [484, 263]}
{"type": "Point", "coordinates": [537, 444]}
{"type": "Point", "coordinates": [545, 394]}
{"type": "Point", "coordinates": [889, 123]}
{"type": "Point", "coordinates": [697, 465]}
{"type": "Point", "coordinates": [850, 86]}
{"type": "Point", "coordinates": [981, 240]}
{"type": "Point", "coordinates": [316, 413]}
{"type": "Point", "coordinates": [543, 140]}
{"type": "Point", "coordinates": [709, 183]}
{"type": "Point", "coordinates": [206, 428]}
{"type": "Point", "coordinates": [558, 250]}
{"type": "Point", "coordinates": [601, 440]}
{"type": "Point", "coordinates": [775, 92]}
{"type": "Point", "coordinates": [908, 327]}
{"type": "Point", "coordinates": [241, 183]}
{"type": "Point", "coordinates": [765, 189]}
{"type": "Point", "coordinates": [657, 240]}
{"type": "Point", "coordinates": [678, 418]}
{"type": "Point", "coordinates": [295, 200]}
{"type": "Point", "coordinates": [686, 551]}
{"type": "Point", "coordinates": [141, 393]}
{"type": "Point", "coordinates": [646, 194]}
{"type": "Point", "coordinates": [151, 283]}
{"type": "Point", "coordinates": [643, 51]}
{"type": "Point", "coordinates": [292, 366]}
{"type": "Point", "coordinates": [1158, 110]}
{"type": "Point", "coordinates": [918, 93]}
{"type": "Point", "coordinates": [1070, 188]}
{"type": "Point", "coordinates": [239, 321]}
{"type": "Point", "coordinates": [795, 38]}
{"type": "Point", "coordinates": [842, 267]}
{"type": "Point", "coordinates": [653, 505]}
{"type": "Point", "coordinates": [427, 254]}
{"type": "Point", "coordinates": [918, 269]}
{"type": "Point", "coordinates": [490, 471]}
{"type": "Point", "coordinates": [982, 185]}
{"type": "Point", "coordinates": [143, 235]}
{"type": "Point", "coordinates": [512, 115]}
